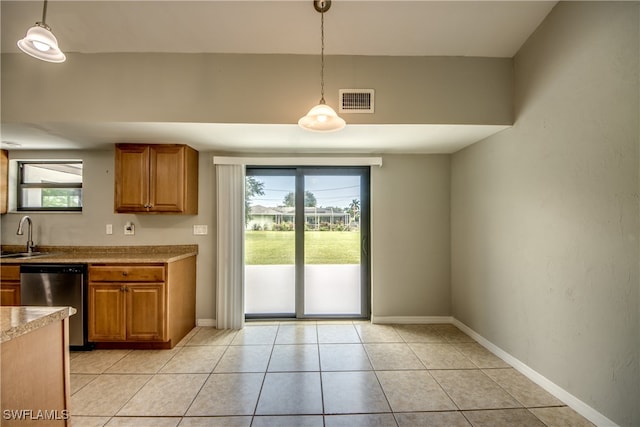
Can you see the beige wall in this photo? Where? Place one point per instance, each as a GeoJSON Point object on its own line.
{"type": "Point", "coordinates": [410, 254]}
{"type": "Point", "coordinates": [266, 89]}
{"type": "Point", "coordinates": [216, 88]}
{"type": "Point", "coordinates": [410, 223]}
{"type": "Point", "coordinates": [545, 215]}
{"type": "Point", "coordinates": [88, 227]}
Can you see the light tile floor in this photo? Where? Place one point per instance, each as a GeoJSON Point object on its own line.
{"type": "Point", "coordinates": [324, 374]}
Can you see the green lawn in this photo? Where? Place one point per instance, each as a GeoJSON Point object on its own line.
{"type": "Point", "coordinates": [321, 247]}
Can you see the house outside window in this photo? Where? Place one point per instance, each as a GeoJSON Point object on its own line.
{"type": "Point", "coordinates": [282, 218]}
{"type": "Point", "coordinates": [49, 186]}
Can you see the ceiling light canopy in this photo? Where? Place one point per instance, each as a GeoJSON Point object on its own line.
{"type": "Point", "coordinates": [322, 118]}
{"type": "Point", "coordinates": [40, 41]}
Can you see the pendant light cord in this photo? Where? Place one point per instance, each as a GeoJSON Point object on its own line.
{"type": "Point", "coordinates": [321, 118]}
{"type": "Point", "coordinates": [44, 12]}
{"type": "Point", "coordinates": [322, 57]}
{"type": "Point", "coordinates": [43, 24]}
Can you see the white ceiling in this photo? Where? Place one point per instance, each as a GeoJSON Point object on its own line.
{"type": "Point", "coordinates": [352, 27]}
{"type": "Point", "coordinates": [254, 138]}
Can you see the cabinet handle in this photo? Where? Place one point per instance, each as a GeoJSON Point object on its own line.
{"type": "Point", "coordinates": [124, 273]}
{"type": "Point", "coordinates": [123, 289]}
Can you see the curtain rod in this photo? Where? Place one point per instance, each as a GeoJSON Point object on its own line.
{"type": "Point", "coordinates": [298, 161]}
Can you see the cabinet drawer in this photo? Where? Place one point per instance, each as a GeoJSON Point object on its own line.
{"type": "Point", "coordinates": [126, 273]}
{"type": "Point", "coordinates": [10, 272]}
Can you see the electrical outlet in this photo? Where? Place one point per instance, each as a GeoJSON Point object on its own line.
{"type": "Point", "coordinates": [199, 230]}
{"type": "Point", "coordinates": [109, 229]}
{"type": "Point", "coordinates": [129, 229]}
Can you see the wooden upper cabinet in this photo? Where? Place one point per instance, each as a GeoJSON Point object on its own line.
{"type": "Point", "coordinates": [4, 179]}
{"type": "Point", "coordinates": [167, 166]}
{"type": "Point", "coordinates": [132, 178]}
{"type": "Point", "coordinates": [156, 178]}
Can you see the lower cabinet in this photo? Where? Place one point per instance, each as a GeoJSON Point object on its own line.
{"type": "Point", "coordinates": [106, 308]}
{"type": "Point", "coordinates": [138, 304]}
{"type": "Point", "coordinates": [127, 311]}
{"type": "Point", "coordinates": [145, 312]}
{"type": "Point", "coordinates": [9, 284]}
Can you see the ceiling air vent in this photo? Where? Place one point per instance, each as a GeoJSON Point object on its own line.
{"type": "Point", "coordinates": [356, 101]}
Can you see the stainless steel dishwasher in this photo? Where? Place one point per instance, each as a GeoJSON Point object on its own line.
{"type": "Point", "coordinates": [56, 285]}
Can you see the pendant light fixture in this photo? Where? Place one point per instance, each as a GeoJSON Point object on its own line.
{"type": "Point", "coordinates": [40, 41]}
{"type": "Point", "coordinates": [322, 118]}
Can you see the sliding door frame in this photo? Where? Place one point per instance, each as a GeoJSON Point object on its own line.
{"type": "Point", "coordinates": [365, 294]}
{"type": "Point", "coordinates": [365, 230]}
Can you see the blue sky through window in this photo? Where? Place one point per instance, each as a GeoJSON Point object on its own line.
{"type": "Point", "coordinates": [329, 191]}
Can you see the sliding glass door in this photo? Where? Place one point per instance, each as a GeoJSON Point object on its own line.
{"type": "Point", "coordinates": [332, 244]}
{"type": "Point", "coordinates": [270, 250]}
{"type": "Point", "coordinates": [306, 242]}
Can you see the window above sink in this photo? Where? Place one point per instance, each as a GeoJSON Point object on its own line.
{"type": "Point", "coordinates": [49, 185]}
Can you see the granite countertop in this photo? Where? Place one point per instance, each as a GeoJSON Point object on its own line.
{"type": "Point", "coordinates": [103, 254]}
{"type": "Point", "coordinates": [17, 321]}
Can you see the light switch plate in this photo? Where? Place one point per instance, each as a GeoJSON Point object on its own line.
{"type": "Point", "coordinates": [199, 230]}
{"type": "Point", "coordinates": [109, 229]}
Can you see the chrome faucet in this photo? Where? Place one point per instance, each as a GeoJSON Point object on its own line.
{"type": "Point", "coordinates": [30, 244]}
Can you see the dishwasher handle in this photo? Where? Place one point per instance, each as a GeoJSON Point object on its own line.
{"type": "Point", "coordinates": [53, 268]}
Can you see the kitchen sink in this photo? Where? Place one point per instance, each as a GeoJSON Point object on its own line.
{"type": "Point", "coordinates": [25, 255]}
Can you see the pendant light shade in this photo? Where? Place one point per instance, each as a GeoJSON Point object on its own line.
{"type": "Point", "coordinates": [41, 43]}
{"type": "Point", "coordinates": [322, 118]}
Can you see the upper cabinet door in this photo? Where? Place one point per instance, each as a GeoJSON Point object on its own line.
{"type": "Point", "coordinates": [156, 178]}
{"type": "Point", "coordinates": [167, 186]}
{"type": "Point", "coordinates": [132, 178]}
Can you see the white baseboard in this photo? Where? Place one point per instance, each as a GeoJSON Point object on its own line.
{"type": "Point", "coordinates": [206, 322]}
{"type": "Point", "coordinates": [415, 320]}
{"type": "Point", "coordinates": [576, 404]}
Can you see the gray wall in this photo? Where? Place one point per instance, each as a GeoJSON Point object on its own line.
{"type": "Point", "coordinates": [545, 214]}
{"type": "Point", "coordinates": [88, 228]}
{"type": "Point", "coordinates": [410, 231]}
{"type": "Point", "coordinates": [245, 89]}
{"type": "Point", "coordinates": [410, 224]}
{"type": "Point", "coordinates": [216, 88]}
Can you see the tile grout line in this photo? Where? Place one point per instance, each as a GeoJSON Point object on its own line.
{"type": "Point", "coordinates": [182, 373]}
{"type": "Point", "coordinates": [151, 377]}
{"type": "Point", "coordinates": [324, 420]}
{"type": "Point", "coordinates": [480, 369]}
{"type": "Point", "coordinates": [264, 377]}
{"type": "Point", "coordinates": [98, 375]}
{"type": "Point", "coordinates": [128, 400]}
{"type": "Point", "coordinates": [437, 382]}
{"type": "Point", "coordinates": [515, 398]}
{"type": "Point", "coordinates": [195, 396]}
{"type": "Point", "coordinates": [375, 373]}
